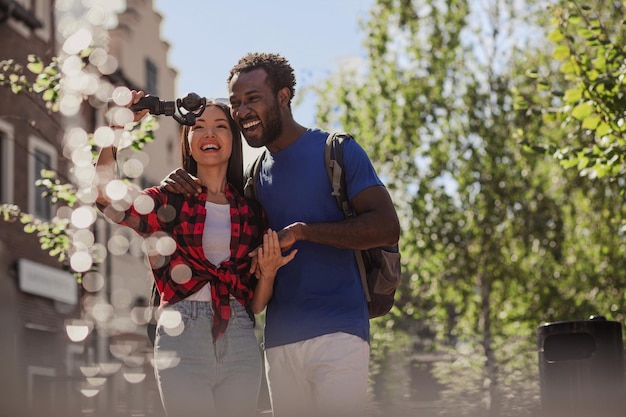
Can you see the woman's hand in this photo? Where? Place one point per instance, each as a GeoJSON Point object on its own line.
{"type": "Point", "coordinates": [266, 261]}
{"type": "Point", "coordinates": [119, 116]}
{"type": "Point", "coordinates": [269, 257]}
{"type": "Point", "coordinates": [135, 97]}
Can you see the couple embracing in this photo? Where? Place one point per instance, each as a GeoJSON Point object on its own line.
{"type": "Point", "coordinates": [291, 255]}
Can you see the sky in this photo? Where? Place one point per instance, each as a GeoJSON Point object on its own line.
{"type": "Point", "coordinates": [208, 37]}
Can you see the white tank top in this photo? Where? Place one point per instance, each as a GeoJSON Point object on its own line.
{"type": "Point", "coordinates": [215, 242]}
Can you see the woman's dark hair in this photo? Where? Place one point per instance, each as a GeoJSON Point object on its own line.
{"type": "Point", "coordinates": [234, 173]}
{"type": "Point", "coordinates": [279, 72]}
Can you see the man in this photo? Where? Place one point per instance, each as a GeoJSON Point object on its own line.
{"type": "Point", "coordinates": [317, 326]}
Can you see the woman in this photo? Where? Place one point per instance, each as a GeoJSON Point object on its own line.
{"type": "Point", "coordinates": [207, 362]}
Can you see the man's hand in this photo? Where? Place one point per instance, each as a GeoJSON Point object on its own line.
{"type": "Point", "coordinates": [286, 237]}
{"type": "Point", "coordinates": [290, 235]}
{"type": "Point", "coordinates": [180, 181]}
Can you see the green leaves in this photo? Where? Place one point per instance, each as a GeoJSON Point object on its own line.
{"type": "Point", "coordinates": [573, 95]}
{"type": "Point", "coordinates": [582, 110]}
{"type": "Point", "coordinates": [561, 53]}
{"type": "Point", "coordinates": [54, 236]}
{"type": "Point", "coordinates": [589, 41]}
{"type": "Point", "coordinates": [46, 83]}
{"type": "Point", "coordinates": [55, 190]}
{"type": "Point", "coordinates": [556, 36]}
{"type": "Point", "coordinates": [35, 65]}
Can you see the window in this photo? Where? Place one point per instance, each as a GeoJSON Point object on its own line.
{"type": "Point", "coordinates": [6, 163]}
{"type": "Point", "coordinates": [151, 78]}
{"type": "Point", "coordinates": [43, 13]}
{"type": "Point", "coordinates": [41, 156]}
{"type": "Point", "coordinates": [42, 206]}
{"type": "Point", "coordinates": [21, 11]}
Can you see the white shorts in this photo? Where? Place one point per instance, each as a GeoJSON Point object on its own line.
{"type": "Point", "coordinates": [323, 376]}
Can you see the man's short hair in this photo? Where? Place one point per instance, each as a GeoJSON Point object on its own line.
{"type": "Point", "coordinates": [280, 74]}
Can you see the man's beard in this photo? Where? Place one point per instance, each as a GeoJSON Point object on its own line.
{"type": "Point", "coordinates": [272, 129]}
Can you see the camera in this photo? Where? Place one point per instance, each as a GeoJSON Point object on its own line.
{"type": "Point", "coordinates": [183, 110]}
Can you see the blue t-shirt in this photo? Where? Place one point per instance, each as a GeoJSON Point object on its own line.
{"type": "Point", "coordinates": [320, 291]}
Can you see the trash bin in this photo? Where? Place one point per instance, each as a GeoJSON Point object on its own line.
{"type": "Point", "coordinates": [581, 368]}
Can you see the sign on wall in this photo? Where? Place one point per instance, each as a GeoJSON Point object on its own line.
{"type": "Point", "coordinates": [45, 281]}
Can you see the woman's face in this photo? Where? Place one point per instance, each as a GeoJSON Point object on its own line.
{"type": "Point", "coordinates": [211, 138]}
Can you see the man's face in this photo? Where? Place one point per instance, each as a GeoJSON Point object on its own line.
{"type": "Point", "coordinates": [255, 108]}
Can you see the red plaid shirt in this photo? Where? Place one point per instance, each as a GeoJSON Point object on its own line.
{"type": "Point", "coordinates": [186, 270]}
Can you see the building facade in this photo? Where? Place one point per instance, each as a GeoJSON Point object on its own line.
{"type": "Point", "coordinates": [45, 370]}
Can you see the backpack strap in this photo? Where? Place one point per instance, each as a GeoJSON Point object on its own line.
{"type": "Point", "coordinates": [333, 157]}
{"type": "Point", "coordinates": [252, 177]}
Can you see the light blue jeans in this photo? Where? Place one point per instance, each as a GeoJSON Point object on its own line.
{"type": "Point", "coordinates": [198, 378]}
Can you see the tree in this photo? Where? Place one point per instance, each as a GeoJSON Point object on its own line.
{"type": "Point", "coordinates": [491, 233]}
{"type": "Point", "coordinates": [572, 108]}
{"type": "Point", "coordinates": [586, 92]}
